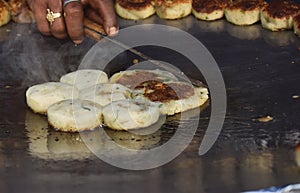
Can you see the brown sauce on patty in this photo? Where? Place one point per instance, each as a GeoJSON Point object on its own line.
{"type": "Point", "coordinates": [136, 78]}
{"type": "Point", "coordinates": [162, 92]}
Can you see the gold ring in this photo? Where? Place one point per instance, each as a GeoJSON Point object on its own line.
{"type": "Point", "coordinates": [52, 16]}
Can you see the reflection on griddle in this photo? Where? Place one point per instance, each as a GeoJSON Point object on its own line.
{"type": "Point", "coordinates": [67, 146]}
{"type": "Point", "coordinates": [297, 154]}
{"type": "Point", "coordinates": [245, 32]}
{"type": "Point", "coordinates": [126, 22]}
{"type": "Point", "coordinates": [281, 38]}
{"type": "Point", "coordinates": [212, 26]}
{"type": "Point", "coordinates": [262, 162]}
{"type": "Point", "coordinates": [46, 143]}
{"type": "Point", "coordinates": [297, 44]}
{"type": "Point", "coordinates": [134, 141]}
{"type": "Point", "coordinates": [37, 132]}
{"type": "Point", "coordinates": [184, 23]}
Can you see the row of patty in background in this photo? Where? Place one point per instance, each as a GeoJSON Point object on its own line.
{"type": "Point", "coordinates": [275, 15]}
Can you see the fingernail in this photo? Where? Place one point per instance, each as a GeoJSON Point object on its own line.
{"type": "Point", "coordinates": [77, 41]}
{"type": "Point", "coordinates": [113, 31]}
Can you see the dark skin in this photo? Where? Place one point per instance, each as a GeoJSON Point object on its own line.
{"type": "Point", "coordinates": [71, 22]}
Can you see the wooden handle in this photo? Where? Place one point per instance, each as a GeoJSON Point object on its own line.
{"type": "Point", "coordinates": [91, 28]}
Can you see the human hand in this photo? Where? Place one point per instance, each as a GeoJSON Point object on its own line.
{"type": "Point", "coordinates": [70, 23]}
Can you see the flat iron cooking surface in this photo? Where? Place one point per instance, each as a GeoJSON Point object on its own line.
{"type": "Point", "coordinates": [261, 72]}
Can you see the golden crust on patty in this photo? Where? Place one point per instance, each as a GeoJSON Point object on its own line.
{"type": "Point", "coordinates": [244, 12]}
{"type": "Point", "coordinates": [208, 6]}
{"type": "Point", "coordinates": [246, 5]}
{"type": "Point", "coordinates": [134, 9]}
{"type": "Point", "coordinates": [173, 97]}
{"type": "Point", "coordinates": [134, 4]}
{"type": "Point", "coordinates": [20, 11]}
{"type": "Point", "coordinates": [278, 15]}
{"type": "Point", "coordinates": [173, 9]}
{"type": "Point", "coordinates": [4, 13]}
{"type": "Point", "coordinates": [296, 24]}
{"type": "Point", "coordinates": [209, 9]}
{"type": "Point", "coordinates": [161, 92]}
{"type": "Point", "coordinates": [170, 3]}
{"type": "Point", "coordinates": [282, 9]}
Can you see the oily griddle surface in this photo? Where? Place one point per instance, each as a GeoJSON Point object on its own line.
{"type": "Point", "coordinates": [261, 72]}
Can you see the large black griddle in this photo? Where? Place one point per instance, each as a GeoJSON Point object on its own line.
{"type": "Point", "coordinates": [261, 70]}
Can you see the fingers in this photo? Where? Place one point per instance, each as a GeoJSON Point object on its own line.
{"type": "Point", "coordinates": [40, 12]}
{"type": "Point", "coordinates": [30, 3]}
{"type": "Point", "coordinates": [106, 10]}
{"type": "Point", "coordinates": [93, 15]}
{"type": "Point", "coordinates": [57, 28]}
{"type": "Point", "coordinates": [74, 21]}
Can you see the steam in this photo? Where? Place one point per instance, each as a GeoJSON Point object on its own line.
{"type": "Point", "coordinates": [27, 57]}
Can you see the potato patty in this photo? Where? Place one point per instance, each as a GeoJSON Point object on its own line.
{"type": "Point", "coordinates": [134, 9]}
{"type": "Point", "coordinates": [278, 15]}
